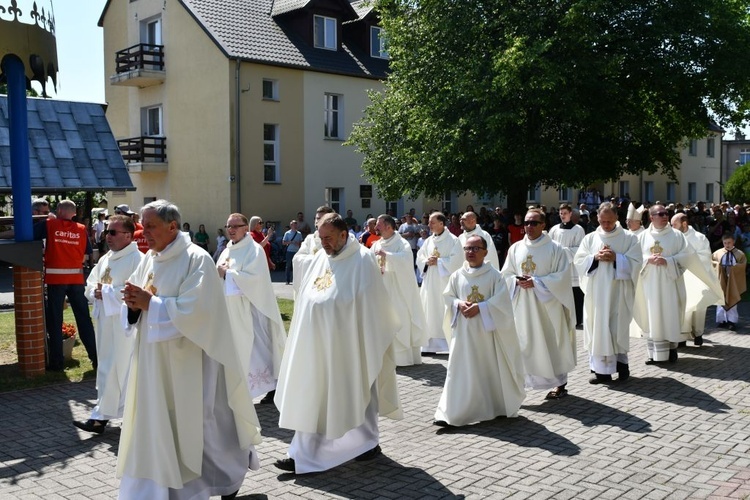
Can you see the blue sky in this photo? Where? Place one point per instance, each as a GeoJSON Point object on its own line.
{"type": "Point", "coordinates": [80, 51]}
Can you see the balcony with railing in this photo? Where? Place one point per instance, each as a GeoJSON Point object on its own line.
{"type": "Point", "coordinates": [144, 153]}
{"type": "Point", "coordinates": [141, 65]}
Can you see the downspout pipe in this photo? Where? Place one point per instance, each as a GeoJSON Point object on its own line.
{"type": "Point", "coordinates": [237, 142]}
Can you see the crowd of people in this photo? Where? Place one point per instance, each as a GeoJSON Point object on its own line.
{"type": "Point", "coordinates": [184, 341]}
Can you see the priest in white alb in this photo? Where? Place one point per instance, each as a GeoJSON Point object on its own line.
{"type": "Point", "coordinates": [537, 273]}
{"type": "Point", "coordinates": [437, 259]}
{"type": "Point", "coordinates": [471, 228]}
{"type": "Point", "coordinates": [485, 378]}
{"type": "Point", "coordinates": [252, 307]}
{"type": "Point", "coordinates": [699, 296]}
{"type": "Point", "coordinates": [338, 373]}
{"type": "Point", "coordinates": [608, 263]}
{"type": "Point", "coordinates": [189, 424]}
{"type": "Point", "coordinates": [660, 296]}
{"type": "Point", "coordinates": [307, 250]}
{"type": "Point", "coordinates": [569, 235]}
{"type": "Point", "coordinates": [113, 348]}
{"type": "Point", "coordinates": [396, 262]}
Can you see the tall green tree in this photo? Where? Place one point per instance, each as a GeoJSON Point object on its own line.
{"type": "Point", "coordinates": [495, 96]}
{"type": "Point", "coordinates": [737, 188]}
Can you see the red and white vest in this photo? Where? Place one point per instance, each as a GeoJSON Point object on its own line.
{"type": "Point", "coordinates": [64, 252]}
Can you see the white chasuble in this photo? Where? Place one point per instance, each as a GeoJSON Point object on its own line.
{"type": "Point", "coordinates": [660, 296]}
{"type": "Point", "coordinates": [491, 250]}
{"type": "Point", "coordinates": [399, 280]}
{"type": "Point", "coordinates": [447, 248]}
{"type": "Point", "coordinates": [485, 377]}
{"type": "Point", "coordinates": [254, 312]}
{"type": "Point", "coordinates": [637, 232]}
{"type": "Point", "coordinates": [304, 256]}
{"type": "Point", "coordinates": [569, 239]}
{"type": "Point", "coordinates": [340, 344]}
{"type": "Point", "coordinates": [544, 314]}
{"type": "Point", "coordinates": [609, 289]}
{"type": "Point", "coordinates": [113, 347]}
{"type": "Point", "coordinates": [189, 422]}
{"type": "Point", "coordinates": [699, 295]}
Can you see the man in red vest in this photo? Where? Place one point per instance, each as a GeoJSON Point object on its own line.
{"type": "Point", "coordinates": [67, 245]}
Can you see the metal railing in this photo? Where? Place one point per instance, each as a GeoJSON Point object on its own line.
{"type": "Point", "coordinates": [140, 56]}
{"type": "Point", "coordinates": [144, 149]}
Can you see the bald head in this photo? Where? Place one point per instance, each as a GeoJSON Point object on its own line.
{"type": "Point", "coordinates": [680, 222]}
{"type": "Point", "coordinates": [469, 221]}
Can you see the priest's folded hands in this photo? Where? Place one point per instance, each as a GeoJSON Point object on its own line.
{"type": "Point", "coordinates": [136, 297]}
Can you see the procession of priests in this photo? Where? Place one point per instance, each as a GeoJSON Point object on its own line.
{"type": "Point", "coordinates": [185, 344]}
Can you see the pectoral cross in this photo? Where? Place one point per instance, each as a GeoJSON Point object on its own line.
{"type": "Point", "coordinates": [435, 253]}
{"type": "Point", "coordinates": [657, 248]}
{"type": "Point", "coordinates": [106, 278]}
{"type": "Point", "coordinates": [528, 266]}
{"type": "Point", "coordinates": [475, 296]}
{"type": "Point", "coordinates": [323, 282]}
{"type": "Point", "coordinates": [150, 284]}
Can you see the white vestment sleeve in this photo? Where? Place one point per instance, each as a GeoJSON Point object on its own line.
{"type": "Point", "coordinates": [443, 268]}
{"type": "Point", "coordinates": [127, 327]}
{"type": "Point", "coordinates": [110, 300]}
{"type": "Point", "coordinates": [674, 269]}
{"type": "Point", "coordinates": [230, 286]}
{"type": "Point", "coordinates": [487, 321]}
{"type": "Point", "coordinates": [160, 326]}
{"type": "Point", "coordinates": [454, 316]}
{"type": "Point", "coordinates": [588, 262]}
{"type": "Point", "coordinates": [623, 270]}
{"type": "Point", "coordinates": [541, 291]}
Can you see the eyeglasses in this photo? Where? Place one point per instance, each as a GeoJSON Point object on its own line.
{"type": "Point", "coordinates": [473, 249]}
{"type": "Point", "coordinates": [659, 214]}
{"type": "Point", "coordinates": [113, 232]}
{"type": "Point", "coordinates": [235, 226]}
{"type": "Point", "coordinates": [534, 223]}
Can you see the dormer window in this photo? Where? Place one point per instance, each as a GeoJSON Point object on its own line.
{"type": "Point", "coordinates": [324, 32]}
{"type": "Point", "coordinates": [378, 45]}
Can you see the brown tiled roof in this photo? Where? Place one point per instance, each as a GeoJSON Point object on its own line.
{"type": "Point", "coordinates": [71, 148]}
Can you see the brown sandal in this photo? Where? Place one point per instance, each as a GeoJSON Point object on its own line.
{"type": "Point", "coordinates": [557, 393]}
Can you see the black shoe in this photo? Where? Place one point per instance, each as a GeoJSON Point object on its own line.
{"type": "Point", "coordinates": [230, 497]}
{"type": "Point", "coordinates": [723, 324]}
{"type": "Point", "coordinates": [285, 464]}
{"type": "Point", "coordinates": [91, 425]}
{"type": "Point", "coordinates": [600, 379]}
{"type": "Point", "coordinates": [731, 326]}
{"type": "Point", "coordinates": [441, 423]}
{"type": "Point", "coordinates": [650, 361]}
{"type": "Point", "coordinates": [369, 455]}
{"type": "Point", "coordinates": [623, 371]}
{"type": "Point", "coordinates": [698, 341]}
{"type": "Point", "coordinates": [268, 398]}
{"type": "Point", "coordinates": [682, 344]}
{"type": "Point", "coordinates": [673, 355]}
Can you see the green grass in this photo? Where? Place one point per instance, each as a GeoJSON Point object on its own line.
{"type": "Point", "coordinates": [76, 369]}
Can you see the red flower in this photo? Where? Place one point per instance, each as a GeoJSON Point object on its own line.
{"type": "Point", "coordinates": [68, 331]}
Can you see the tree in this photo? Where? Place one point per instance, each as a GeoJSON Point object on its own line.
{"type": "Point", "coordinates": [496, 96]}
{"type": "Point", "coordinates": [30, 92]}
{"type": "Point", "coordinates": [737, 187]}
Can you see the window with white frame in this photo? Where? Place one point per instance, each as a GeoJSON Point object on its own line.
{"type": "Point", "coordinates": [335, 198]}
{"type": "Point", "coordinates": [692, 192]}
{"type": "Point", "coordinates": [532, 196]}
{"type": "Point", "coordinates": [693, 147]}
{"type": "Point", "coordinates": [332, 116]}
{"type": "Point", "coordinates": [151, 121]}
{"type": "Point", "coordinates": [565, 194]}
{"type": "Point", "coordinates": [648, 191]}
{"type": "Point", "coordinates": [709, 192]}
{"type": "Point", "coordinates": [624, 187]}
{"type": "Point", "coordinates": [270, 90]}
{"type": "Point", "coordinates": [744, 156]}
{"type": "Point", "coordinates": [671, 191]}
{"type": "Point", "coordinates": [324, 32]}
{"type": "Point", "coordinates": [378, 43]}
{"type": "Point", "coordinates": [710, 147]}
{"type": "Point", "coordinates": [271, 153]}
{"type": "Point", "coordinates": [448, 202]}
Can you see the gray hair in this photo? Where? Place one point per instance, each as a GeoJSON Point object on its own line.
{"type": "Point", "coordinates": [254, 220]}
{"type": "Point", "coordinates": [165, 210]}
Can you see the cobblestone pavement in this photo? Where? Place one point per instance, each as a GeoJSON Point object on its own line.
{"type": "Point", "coordinates": [670, 432]}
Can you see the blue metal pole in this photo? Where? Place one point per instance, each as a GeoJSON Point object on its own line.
{"type": "Point", "coordinates": [19, 148]}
